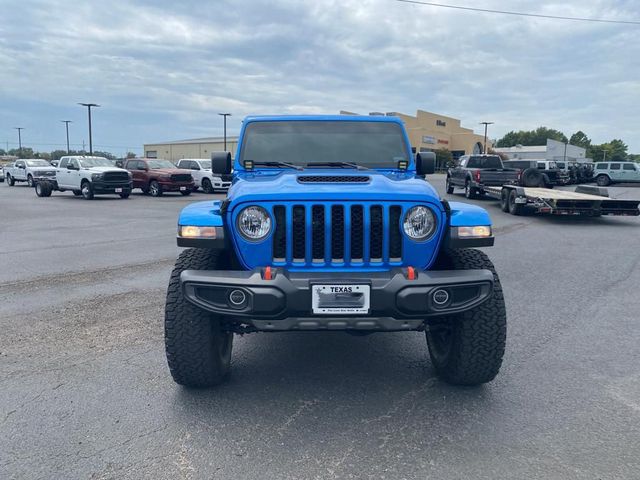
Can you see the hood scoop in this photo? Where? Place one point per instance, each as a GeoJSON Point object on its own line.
{"type": "Point", "coordinates": [334, 179]}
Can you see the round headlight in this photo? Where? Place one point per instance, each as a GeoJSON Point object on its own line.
{"type": "Point", "coordinates": [254, 223]}
{"type": "Point", "coordinates": [419, 223]}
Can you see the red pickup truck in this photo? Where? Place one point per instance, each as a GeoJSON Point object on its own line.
{"type": "Point", "coordinates": [157, 176]}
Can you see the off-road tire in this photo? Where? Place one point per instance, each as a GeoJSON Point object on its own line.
{"type": "Point", "coordinates": [206, 185]}
{"type": "Point", "coordinates": [155, 189]}
{"type": "Point", "coordinates": [603, 180]}
{"type": "Point", "coordinates": [449, 186]}
{"type": "Point", "coordinates": [10, 181]}
{"type": "Point", "coordinates": [87, 190]}
{"type": "Point", "coordinates": [532, 177]}
{"type": "Point", "coordinates": [198, 350]}
{"type": "Point", "coordinates": [29, 180]}
{"type": "Point", "coordinates": [471, 350]}
{"type": "Point", "coordinates": [514, 208]}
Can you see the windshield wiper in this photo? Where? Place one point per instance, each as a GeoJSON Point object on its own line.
{"type": "Point", "coordinates": [277, 164]}
{"type": "Point", "coordinates": [337, 164]}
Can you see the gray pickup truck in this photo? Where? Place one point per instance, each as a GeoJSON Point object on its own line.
{"type": "Point", "coordinates": [474, 172]}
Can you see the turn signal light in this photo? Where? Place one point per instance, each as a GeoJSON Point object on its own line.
{"type": "Point", "coordinates": [477, 231]}
{"type": "Point", "coordinates": [188, 231]}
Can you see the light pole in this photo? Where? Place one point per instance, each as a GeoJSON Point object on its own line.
{"type": "Point", "coordinates": [225, 115]}
{"type": "Point", "coordinates": [19, 139]}
{"type": "Point", "coordinates": [565, 154]}
{"type": "Point", "coordinates": [89, 105]}
{"type": "Point", "coordinates": [67, 122]}
{"type": "Point", "coordinates": [486, 124]}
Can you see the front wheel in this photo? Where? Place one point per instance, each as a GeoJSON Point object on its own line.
{"type": "Point", "coordinates": [30, 180]}
{"type": "Point", "coordinates": [197, 346]}
{"type": "Point", "coordinates": [206, 185]}
{"type": "Point", "coordinates": [10, 181]}
{"type": "Point", "coordinates": [467, 348]}
{"type": "Point", "coordinates": [155, 189]}
{"type": "Point", "coordinates": [602, 180]}
{"type": "Point", "coordinates": [87, 190]}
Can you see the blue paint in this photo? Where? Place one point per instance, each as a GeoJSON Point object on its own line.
{"type": "Point", "coordinates": [467, 215]}
{"type": "Point", "coordinates": [201, 214]}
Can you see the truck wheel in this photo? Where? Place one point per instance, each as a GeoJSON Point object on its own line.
{"type": "Point", "coordinates": [469, 191]}
{"type": "Point", "coordinates": [77, 193]}
{"type": "Point", "coordinates": [532, 177]}
{"type": "Point", "coordinates": [467, 349]}
{"type": "Point", "coordinates": [514, 208]}
{"type": "Point", "coordinates": [30, 180]}
{"type": "Point", "coordinates": [197, 347]}
{"type": "Point", "coordinates": [602, 180]}
{"type": "Point", "coordinates": [10, 181]}
{"type": "Point", "coordinates": [206, 185]}
{"type": "Point", "coordinates": [43, 189]}
{"type": "Point", "coordinates": [87, 190]}
{"type": "Point", "coordinates": [504, 200]}
{"type": "Point", "coordinates": [449, 186]}
{"type": "Point", "coordinates": [155, 189]}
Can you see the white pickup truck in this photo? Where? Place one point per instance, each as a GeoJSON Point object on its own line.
{"type": "Point", "coordinates": [86, 176]}
{"type": "Point", "coordinates": [202, 175]}
{"type": "Point", "coordinates": [25, 170]}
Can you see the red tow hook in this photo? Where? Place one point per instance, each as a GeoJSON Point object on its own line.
{"type": "Point", "coordinates": [411, 273]}
{"type": "Point", "coordinates": [267, 274]}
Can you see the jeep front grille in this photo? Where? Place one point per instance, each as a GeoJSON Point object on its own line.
{"type": "Point", "coordinates": [325, 234]}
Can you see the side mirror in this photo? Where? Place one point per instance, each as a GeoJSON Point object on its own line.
{"type": "Point", "coordinates": [221, 163]}
{"type": "Point", "coordinates": [425, 163]}
{"type": "Point", "coordinates": [21, 166]}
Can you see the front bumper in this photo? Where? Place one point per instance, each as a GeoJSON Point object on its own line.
{"type": "Point", "coordinates": [284, 302]}
{"type": "Point", "coordinates": [110, 187]}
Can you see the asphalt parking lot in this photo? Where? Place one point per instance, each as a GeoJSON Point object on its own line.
{"type": "Point", "coordinates": [85, 391]}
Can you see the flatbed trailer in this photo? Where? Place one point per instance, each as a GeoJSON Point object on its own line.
{"type": "Point", "coordinates": [586, 200]}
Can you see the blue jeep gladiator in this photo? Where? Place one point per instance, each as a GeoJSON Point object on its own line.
{"type": "Point", "coordinates": [330, 225]}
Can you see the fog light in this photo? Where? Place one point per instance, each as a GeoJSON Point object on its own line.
{"type": "Point", "coordinates": [440, 297]}
{"type": "Point", "coordinates": [237, 298]}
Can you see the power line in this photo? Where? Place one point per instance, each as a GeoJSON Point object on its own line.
{"type": "Point", "coordinates": [521, 14]}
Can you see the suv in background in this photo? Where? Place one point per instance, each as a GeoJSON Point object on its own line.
{"type": "Point", "coordinates": [156, 176]}
{"type": "Point", "coordinates": [203, 176]}
{"type": "Point", "coordinates": [607, 173]}
{"type": "Point", "coordinates": [539, 173]}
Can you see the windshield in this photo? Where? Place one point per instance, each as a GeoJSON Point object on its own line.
{"type": "Point", "coordinates": [95, 162]}
{"type": "Point", "coordinates": [37, 163]}
{"type": "Point", "coordinates": [370, 144]}
{"type": "Point", "coordinates": [154, 164]}
{"type": "Point", "coordinates": [491, 161]}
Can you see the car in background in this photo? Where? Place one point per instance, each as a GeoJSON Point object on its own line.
{"type": "Point", "coordinates": [203, 176]}
{"type": "Point", "coordinates": [26, 169]}
{"type": "Point", "coordinates": [606, 173]}
{"type": "Point", "coordinates": [474, 172]}
{"type": "Point", "coordinates": [156, 176]}
{"type": "Point", "coordinates": [1, 173]}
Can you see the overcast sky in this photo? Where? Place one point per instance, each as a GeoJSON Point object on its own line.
{"type": "Point", "coordinates": [163, 70]}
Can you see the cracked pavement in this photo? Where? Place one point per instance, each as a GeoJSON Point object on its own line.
{"type": "Point", "coordinates": [85, 392]}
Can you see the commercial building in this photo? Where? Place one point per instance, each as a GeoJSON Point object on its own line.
{"type": "Point", "coordinates": [553, 150]}
{"type": "Point", "coordinates": [427, 132]}
{"type": "Point", "coordinates": [432, 131]}
{"type": "Point", "coordinates": [194, 148]}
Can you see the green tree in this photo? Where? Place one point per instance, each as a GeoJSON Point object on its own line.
{"type": "Point", "coordinates": [444, 159]}
{"type": "Point", "coordinates": [538, 136]}
{"type": "Point", "coordinates": [617, 150]}
{"type": "Point", "coordinates": [131, 155]}
{"type": "Point", "coordinates": [26, 152]}
{"type": "Point", "coordinates": [108, 155]}
{"type": "Point", "coordinates": [580, 139]}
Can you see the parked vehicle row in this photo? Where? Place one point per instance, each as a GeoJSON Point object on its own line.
{"type": "Point", "coordinates": [88, 176]}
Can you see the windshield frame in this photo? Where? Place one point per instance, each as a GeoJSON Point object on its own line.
{"type": "Point", "coordinates": [392, 165]}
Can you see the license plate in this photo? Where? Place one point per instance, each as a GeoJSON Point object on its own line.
{"type": "Point", "coordinates": [182, 189]}
{"type": "Point", "coordinates": [340, 299]}
{"type": "Point", "coordinates": [118, 190]}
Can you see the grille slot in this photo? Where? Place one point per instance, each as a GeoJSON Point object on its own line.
{"type": "Point", "coordinates": [280, 234]}
{"type": "Point", "coordinates": [337, 233]}
{"type": "Point", "coordinates": [317, 232]}
{"type": "Point", "coordinates": [115, 177]}
{"type": "Point", "coordinates": [181, 177]}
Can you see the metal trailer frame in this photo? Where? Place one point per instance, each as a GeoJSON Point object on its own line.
{"type": "Point", "coordinates": [586, 200]}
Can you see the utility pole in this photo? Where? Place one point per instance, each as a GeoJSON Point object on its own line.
{"type": "Point", "coordinates": [67, 122]}
{"type": "Point", "coordinates": [19, 139]}
{"type": "Point", "coordinates": [225, 115]}
{"type": "Point", "coordinates": [89, 105]}
{"type": "Point", "coordinates": [486, 124]}
{"type": "Point", "coordinates": [565, 153]}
